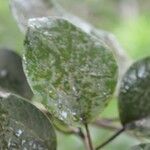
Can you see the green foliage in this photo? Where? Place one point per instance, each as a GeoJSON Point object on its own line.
{"type": "Point", "coordinates": [10, 36]}
{"type": "Point", "coordinates": [134, 36]}
{"type": "Point", "coordinates": [23, 126]}
{"type": "Point", "coordinates": [134, 103]}
{"type": "Point", "coordinates": [69, 69]}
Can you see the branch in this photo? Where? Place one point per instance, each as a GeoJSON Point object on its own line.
{"type": "Point", "coordinates": [111, 138]}
{"type": "Point", "coordinates": [88, 138]}
{"type": "Point", "coordinates": [107, 124]}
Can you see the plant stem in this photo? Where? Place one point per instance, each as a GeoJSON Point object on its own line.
{"type": "Point", "coordinates": [106, 124]}
{"type": "Point", "coordinates": [111, 138]}
{"type": "Point", "coordinates": [88, 136]}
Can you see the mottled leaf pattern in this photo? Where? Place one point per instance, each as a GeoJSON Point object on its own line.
{"type": "Point", "coordinates": [73, 72]}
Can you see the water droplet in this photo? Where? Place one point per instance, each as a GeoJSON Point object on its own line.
{"type": "Point", "coordinates": [4, 94]}
{"type": "Point", "coordinates": [105, 93]}
{"type": "Point", "coordinates": [60, 106]}
{"type": "Point", "coordinates": [74, 113]}
{"type": "Point", "coordinates": [141, 72]}
{"type": "Point", "coordinates": [64, 114]}
{"type": "Point", "coordinates": [23, 141]}
{"type": "Point", "coordinates": [127, 87]}
{"type": "Point", "coordinates": [50, 92]}
{"type": "Point", "coordinates": [18, 133]}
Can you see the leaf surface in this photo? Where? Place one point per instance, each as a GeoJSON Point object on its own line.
{"type": "Point", "coordinates": [23, 126]}
{"type": "Point", "coordinates": [134, 102]}
{"type": "Point", "coordinates": [73, 72]}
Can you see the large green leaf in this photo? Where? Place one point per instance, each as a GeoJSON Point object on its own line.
{"type": "Point", "coordinates": [134, 98]}
{"type": "Point", "coordinates": [12, 77]}
{"type": "Point", "coordinates": [23, 126]}
{"type": "Point", "coordinates": [145, 146]}
{"type": "Point", "coordinates": [73, 72]}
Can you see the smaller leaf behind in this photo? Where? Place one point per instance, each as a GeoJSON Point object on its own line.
{"type": "Point", "coordinates": [134, 102]}
{"type": "Point", "coordinates": [23, 126]}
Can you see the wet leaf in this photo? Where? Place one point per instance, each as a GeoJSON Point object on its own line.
{"type": "Point", "coordinates": [57, 123]}
{"type": "Point", "coordinates": [145, 146]}
{"type": "Point", "coordinates": [12, 77]}
{"type": "Point", "coordinates": [73, 72]}
{"type": "Point", "coordinates": [134, 102]}
{"type": "Point", "coordinates": [23, 126]}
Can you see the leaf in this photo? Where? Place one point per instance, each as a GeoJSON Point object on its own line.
{"type": "Point", "coordinates": [12, 77]}
{"type": "Point", "coordinates": [23, 126]}
{"type": "Point", "coordinates": [145, 146]}
{"type": "Point", "coordinates": [134, 102]}
{"type": "Point", "coordinates": [73, 72]}
{"type": "Point", "coordinates": [58, 124]}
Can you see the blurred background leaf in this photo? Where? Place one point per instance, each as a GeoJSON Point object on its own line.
{"type": "Point", "coordinates": [12, 77]}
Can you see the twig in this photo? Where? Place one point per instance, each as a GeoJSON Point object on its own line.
{"type": "Point", "coordinates": [70, 131]}
{"type": "Point", "coordinates": [106, 124]}
{"type": "Point", "coordinates": [88, 137]}
{"type": "Point", "coordinates": [110, 119]}
{"type": "Point", "coordinates": [111, 138]}
{"type": "Point", "coordinates": [79, 133]}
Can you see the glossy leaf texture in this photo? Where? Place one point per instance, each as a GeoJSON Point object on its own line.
{"type": "Point", "coordinates": [134, 102]}
{"type": "Point", "coordinates": [145, 146]}
{"type": "Point", "coordinates": [72, 71]}
{"type": "Point", "coordinates": [12, 77]}
{"type": "Point", "coordinates": [23, 126]}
